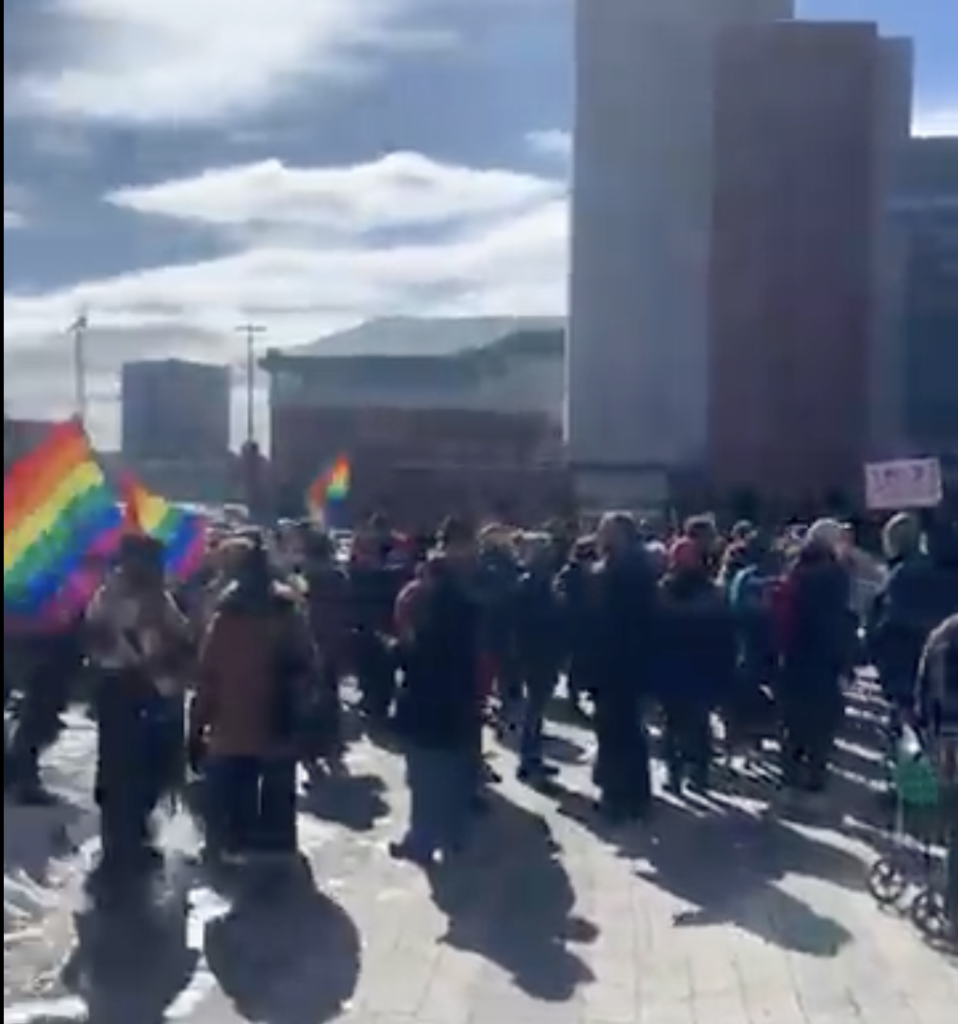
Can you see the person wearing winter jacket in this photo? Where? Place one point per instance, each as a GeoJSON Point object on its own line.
{"type": "Point", "coordinates": [813, 605]}
{"type": "Point", "coordinates": [696, 665]}
{"type": "Point", "coordinates": [936, 701]}
{"type": "Point", "coordinates": [905, 612]}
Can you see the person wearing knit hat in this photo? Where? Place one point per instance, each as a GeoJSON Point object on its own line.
{"type": "Point", "coordinates": [685, 555]}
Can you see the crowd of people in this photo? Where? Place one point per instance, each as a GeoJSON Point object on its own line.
{"type": "Point", "coordinates": [237, 678]}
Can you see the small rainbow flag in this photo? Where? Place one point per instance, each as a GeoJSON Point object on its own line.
{"type": "Point", "coordinates": [332, 485]}
{"type": "Point", "coordinates": [59, 512]}
{"type": "Point", "coordinates": [183, 534]}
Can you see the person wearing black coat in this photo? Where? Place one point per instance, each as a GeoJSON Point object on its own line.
{"type": "Point", "coordinates": [696, 666]}
{"type": "Point", "coordinates": [438, 710]}
{"type": "Point", "coordinates": [538, 626]}
{"type": "Point", "coordinates": [624, 587]}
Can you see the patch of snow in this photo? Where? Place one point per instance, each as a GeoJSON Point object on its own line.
{"type": "Point", "coordinates": [46, 852]}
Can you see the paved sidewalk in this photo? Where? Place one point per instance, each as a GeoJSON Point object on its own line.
{"type": "Point", "coordinates": [716, 913]}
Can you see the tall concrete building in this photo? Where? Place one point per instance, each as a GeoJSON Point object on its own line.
{"type": "Point", "coordinates": [637, 362]}
{"type": "Point", "coordinates": [887, 428]}
{"type": "Point", "coordinates": [925, 210]}
{"type": "Point", "coordinates": [810, 121]}
{"type": "Point", "coordinates": [175, 411]}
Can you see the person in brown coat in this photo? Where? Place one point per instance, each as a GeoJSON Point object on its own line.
{"type": "Point", "coordinates": [255, 669]}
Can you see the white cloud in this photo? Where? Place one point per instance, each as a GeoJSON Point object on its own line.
{"type": "Point", "coordinates": [300, 270]}
{"type": "Point", "coordinates": [937, 121]}
{"type": "Point", "coordinates": [203, 60]}
{"type": "Point", "coordinates": [553, 143]}
{"type": "Point", "coordinates": [14, 201]}
{"type": "Point", "coordinates": [397, 191]}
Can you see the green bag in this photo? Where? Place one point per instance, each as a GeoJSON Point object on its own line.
{"type": "Point", "coordinates": [916, 781]}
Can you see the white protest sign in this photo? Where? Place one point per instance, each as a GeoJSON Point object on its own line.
{"type": "Point", "coordinates": [901, 484]}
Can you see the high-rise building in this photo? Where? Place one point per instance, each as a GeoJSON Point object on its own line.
{"type": "Point", "coordinates": [175, 411]}
{"type": "Point", "coordinates": [807, 118]}
{"type": "Point", "coordinates": [893, 123]}
{"type": "Point", "coordinates": [20, 436]}
{"type": "Point", "coordinates": [637, 362]}
{"type": "Point", "coordinates": [926, 210]}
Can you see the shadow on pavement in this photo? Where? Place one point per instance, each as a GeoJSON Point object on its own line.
{"type": "Point", "coordinates": [738, 885]}
{"type": "Point", "coordinates": [285, 953]}
{"type": "Point", "coordinates": [515, 908]}
{"type": "Point", "coordinates": [559, 747]}
{"type": "Point", "coordinates": [357, 802]}
{"type": "Point", "coordinates": [563, 750]}
{"type": "Point", "coordinates": [132, 959]}
{"type": "Point", "coordinates": [741, 886]}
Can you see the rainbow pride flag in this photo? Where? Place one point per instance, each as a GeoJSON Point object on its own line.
{"type": "Point", "coordinates": [331, 486]}
{"type": "Point", "coordinates": [60, 516]}
{"type": "Point", "coordinates": [183, 534]}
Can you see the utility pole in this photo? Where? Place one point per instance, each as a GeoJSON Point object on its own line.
{"type": "Point", "coordinates": [251, 332]}
{"type": "Point", "coordinates": [78, 331]}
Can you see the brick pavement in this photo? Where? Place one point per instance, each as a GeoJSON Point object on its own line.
{"type": "Point", "coordinates": [714, 914]}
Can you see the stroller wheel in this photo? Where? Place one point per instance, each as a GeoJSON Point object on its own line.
{"type": "Point", "coordinates": [886, 882]}
{"type": "Point", "coordinates": [929, 916]}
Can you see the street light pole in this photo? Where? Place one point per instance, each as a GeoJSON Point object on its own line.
{"type": "Point", "coordinates": [251, 332]}
{"type": "Point", "coordinates": [78, 330]}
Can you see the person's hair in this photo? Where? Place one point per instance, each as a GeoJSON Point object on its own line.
{"type": "Point", "coordinates": [743, 530]}
{"type": "Point", "coordinates": [620, 523]}
{"type": "Point", "coordinates": [142, 553]}
{"type": "Point", "coordinates": [584, 549]}
{"type": "Point", "coordinates": [454, 532]}
{"type": "Point", "coordinates": [758, 547]}
{"type": "Point", "coordinates": [378, 522]}
{"type": "Point", "coordinates": [700, 527]}
{"type": "Point", "coordinates": [825, 533]}
{"type": "Point", "coordinates": [318, 546]}
{"type": "Point", "coordinates": [254, 577]}
{"type": "Point", "coordinates": [902, 535]}
{"type": "Point", "coordinates": [815, 551]}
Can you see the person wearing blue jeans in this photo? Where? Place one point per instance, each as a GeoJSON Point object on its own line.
{"type": "Point", "coordinates": [540, 647]}
{"type": "Point", "coordinates": [439, 708]}
{"type": "Point", "coordinates": [441, 788]}
{"type": "Point", "coordinates": [539, 690]}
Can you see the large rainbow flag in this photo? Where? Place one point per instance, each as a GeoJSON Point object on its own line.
{"type": "Point", "coordinates": [183, 534]}
{"type": "Point", "coordinates": [331, 486]}
{"type": "Point", "coordinates": [59, 516]}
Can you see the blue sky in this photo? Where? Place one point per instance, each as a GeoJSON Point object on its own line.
{"type": "Point", "coordinates": [179, 167]}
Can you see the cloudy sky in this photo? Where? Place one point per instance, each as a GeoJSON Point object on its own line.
{"type": "Point", "coordinates": [177, 168]}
